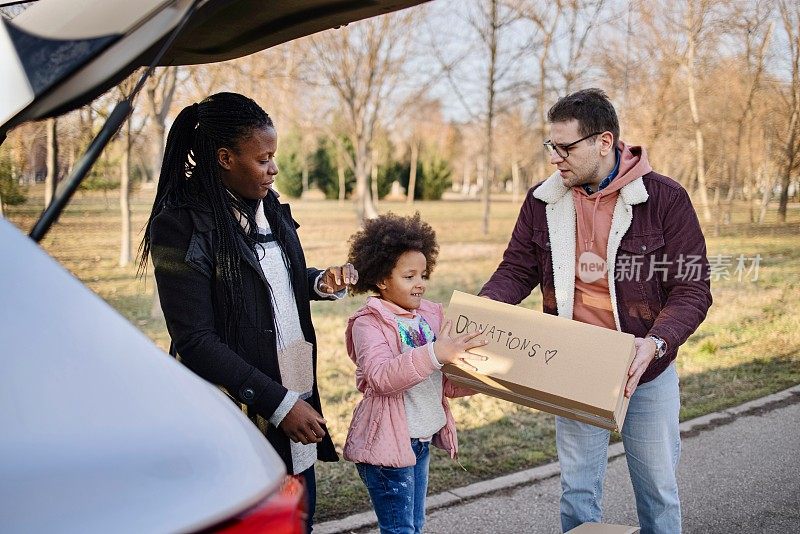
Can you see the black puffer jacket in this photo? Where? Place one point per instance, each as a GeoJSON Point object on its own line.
{"type": "Point", "coordinates": [182, 244]}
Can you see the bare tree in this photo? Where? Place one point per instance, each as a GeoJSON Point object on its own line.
{"type": "Point", "coordinates": [501, 61]}
{"type": "Point", "coordinates": [421, 122]}
{"type": "Point", "coordinates": [159, 93]}
{"type": "Point", "coordinates": [489, 36]}
{"type": "Point", "coordinates": [126, 139]}
{"type": "Point", "coordinates": [412, 174]}
{"type": "Point", "coordinates": [582, 18]}
{"type": "Point", "coordinates": [694, 20]}
{"type": "Point", "coordinates": [51, 179]}
{"type": "Point", "coordinates": [515, 147]}
{"type": "Point", "coordinates": [555, 27]}
{"type": "Point", "coordinates": [364, 64]}
{"type": "Point", "coordinates": [125, 197]}
{"type": "Point", "coordinates": [546, 20]}
{"type": "Point", "coordinates": [751, 28]}
{"type": "Point", "coordinates": [790, 17]}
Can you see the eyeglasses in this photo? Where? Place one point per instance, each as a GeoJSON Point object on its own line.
{"type": "Point", "coordinates": [563, 150]}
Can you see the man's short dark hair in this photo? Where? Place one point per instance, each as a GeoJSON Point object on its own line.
{"type": "Point", "coordinates": [591, 108]}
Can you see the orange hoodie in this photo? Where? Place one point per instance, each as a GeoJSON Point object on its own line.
{"type": "Point", "coordinates": [594, 214]}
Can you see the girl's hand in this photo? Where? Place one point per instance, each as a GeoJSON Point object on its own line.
{"type": "Point", "coordinates": [451, 349]}
{"type": "Point", "coordinates": [337, 278]}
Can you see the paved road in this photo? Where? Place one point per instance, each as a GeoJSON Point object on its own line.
{"type": "Point", "coordinates": [743, 476]}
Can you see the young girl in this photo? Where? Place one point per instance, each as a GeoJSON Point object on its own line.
{"type": "Point", "coordinates": [398, 358]}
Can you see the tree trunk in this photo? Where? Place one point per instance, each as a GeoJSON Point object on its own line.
{"type": "Point", "coordinates": [467, 179]}
{"type": "Point", "coordinates": [790, 15]}
{"type": "Point", "coordinates": [783, 200]}
{"type": "Point", "coordinates": [304, 170]}
{"type": "Point", "coordinates": [412, 176]}
{"type": "Point", "coordinates": [746, 113]}
{"type": "Point", "coordinates": [515, 181]}
{"type": "Point", "coordinates": [160, 93]}
{"type": "Point", "coordinates": [542, 161]}
{"type": "Point", "coordinates": [155, 309]}
{"type": "Point", "coordinates": [365, 208]}
{"type": "Point", "coordinates": [544, 65]}
{"type": "Point", "coordinates": [51, 179]}
{"type": "Point", "coordinates": [751, 216]}
{"type": "Point", "coordinates": [342, 184]}
{"type": "Point", "coordinates": [490, 117]}
{"type": "Point", "coordinates": [717, 206]}
{"type": "Point", "coordinates": [373, 180]}
{"type": "Point", "coordinates": [790, 153]}
{"type": "Point", "coordinates": [767, 194]}
{"type": "Point", "coordinates": [124, 199]}
{"type": "Point", "coordinates": [698, 131]}
{"type": "Point", "coordinates": [158, 141]}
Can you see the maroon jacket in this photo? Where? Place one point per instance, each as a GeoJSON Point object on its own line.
{"type": "Point", "coordinates": [655, 228]}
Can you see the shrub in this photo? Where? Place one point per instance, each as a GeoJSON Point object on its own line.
{"type": "Point", "coordinates": [436, 174]}
{"type": "Point", "coordinates": [11, 193]}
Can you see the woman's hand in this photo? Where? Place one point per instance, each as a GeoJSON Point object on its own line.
{"type": "Point", "coordinates": [451, 349]}
{"type": "Point", "coordinates": [337, 278]}
{"type": "Point", "coordinates": [303, 424]}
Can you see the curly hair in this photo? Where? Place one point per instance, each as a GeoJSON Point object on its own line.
{"type": "Point", "coordinates": [375, 249]}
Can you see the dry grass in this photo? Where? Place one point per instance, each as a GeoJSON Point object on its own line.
{"type": "Point", "coordinates": [748, 346]}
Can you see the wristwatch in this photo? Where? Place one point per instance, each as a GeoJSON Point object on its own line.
{"type": "Point", "coordinates": [661, 346]}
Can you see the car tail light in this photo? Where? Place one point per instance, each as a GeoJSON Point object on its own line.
{"type": "Point", "coordinates": [281, 513]}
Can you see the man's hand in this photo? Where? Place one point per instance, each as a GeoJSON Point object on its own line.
{"type": "Point", "coordinates": [303, 424]}
{"type": "Point", "coordinates": [451, 349]}
{"type": "Point", "coordinates": [337, 278]}
{"type": "Point", "coordinates": [645, 352]}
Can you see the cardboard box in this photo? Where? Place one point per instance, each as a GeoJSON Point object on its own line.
{"type": "Point", "coordinates": [545, 362]}
{"type": "Point", "coordinates": [603, 528]}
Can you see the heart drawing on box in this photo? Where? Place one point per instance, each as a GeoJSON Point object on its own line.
{"type": "Point", "coordinates": [549, 355]}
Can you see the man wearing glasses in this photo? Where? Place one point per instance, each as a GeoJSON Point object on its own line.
{"type": "Point", "coordinates": [608, 241]}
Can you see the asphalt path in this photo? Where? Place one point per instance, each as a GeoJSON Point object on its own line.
{"type": "Point", "coordinates": [739, 476]}
{"type": "Point", "coordinates": [738, 473]}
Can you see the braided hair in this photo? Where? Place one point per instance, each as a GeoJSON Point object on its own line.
{"type": "Point", "coordinates": [190, 177]}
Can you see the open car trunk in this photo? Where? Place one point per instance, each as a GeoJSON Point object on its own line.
{"type": "Point", "coordinates": [59, 55]}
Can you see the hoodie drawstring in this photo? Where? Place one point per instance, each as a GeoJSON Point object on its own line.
{"type": "Point", "coordinates": [590, 243]}
{"type": "Point", "coordinates": [594, 215]}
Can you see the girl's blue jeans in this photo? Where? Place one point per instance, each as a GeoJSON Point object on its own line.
{"type": "Point", "coordinates": [652, 443]}
{"type": "Point", "coordinates": [398, 493]}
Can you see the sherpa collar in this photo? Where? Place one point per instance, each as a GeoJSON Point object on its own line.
{"type": "Point", "coordinates": [553, 189]}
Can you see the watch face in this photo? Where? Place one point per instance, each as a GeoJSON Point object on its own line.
{"type": "Point", "coordinates": [662, 347]}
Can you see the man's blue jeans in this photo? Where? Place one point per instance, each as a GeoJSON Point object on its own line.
{"type": "Point", "coordinates": [652, 443]}
{"type": "Point", "coordinates": [398, 493]}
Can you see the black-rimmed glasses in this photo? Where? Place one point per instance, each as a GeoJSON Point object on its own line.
{"type": "Point", "coordinates": [563, 150]}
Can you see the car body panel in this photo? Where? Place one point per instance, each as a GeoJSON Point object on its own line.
{"type": "Point", "coordinates": [102, 430]}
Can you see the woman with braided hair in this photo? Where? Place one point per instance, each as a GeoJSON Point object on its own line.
{"type": "Point", "coordinates": [232, 277]}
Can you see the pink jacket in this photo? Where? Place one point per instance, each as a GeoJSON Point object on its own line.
{"type": "Point", "coordinates": [378, 433]}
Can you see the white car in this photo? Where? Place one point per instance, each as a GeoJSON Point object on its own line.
{"type": "Point", "coordinates": [100, 430]}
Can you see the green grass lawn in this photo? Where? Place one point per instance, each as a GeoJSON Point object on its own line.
{"type": "Point", "coordinates": [749, 345]}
